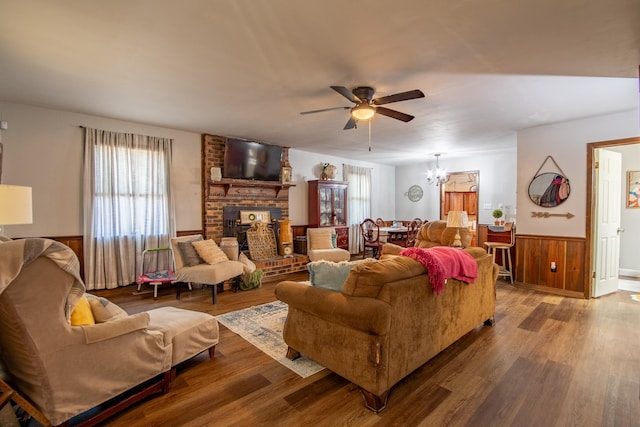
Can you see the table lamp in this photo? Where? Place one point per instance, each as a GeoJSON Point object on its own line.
{"type": "Point", "coordinates": [457, 220]}
{"type": "Point", "coordinates": [15, 205]}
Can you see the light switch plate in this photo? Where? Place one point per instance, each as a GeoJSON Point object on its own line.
{"type": "Point", "coordinates": [487, 206]}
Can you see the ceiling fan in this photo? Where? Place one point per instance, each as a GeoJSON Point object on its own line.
{"type": "Point", "coordinates": [367, 106]}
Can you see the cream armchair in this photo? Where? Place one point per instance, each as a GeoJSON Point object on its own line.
{"type": "Point", "coordinates": [66, 370]}
{"type": "Point", "coordinates": [320, 245]}
{"type": "Point", "coordinates": [191, 269]}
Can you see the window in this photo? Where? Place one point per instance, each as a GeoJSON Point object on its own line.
{"type": "Point", "coordinates": [128, 204]}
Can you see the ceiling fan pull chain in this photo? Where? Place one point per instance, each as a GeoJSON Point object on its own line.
{"type": "Point", "coordinates": [369, 135]}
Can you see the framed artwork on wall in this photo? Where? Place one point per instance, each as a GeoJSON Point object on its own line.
{"type": "Point", "coordinates": [633, 189]}
{"type": "Point", "coordinates": [285, 175]}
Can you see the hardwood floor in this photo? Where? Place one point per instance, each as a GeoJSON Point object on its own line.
{"type": "Point", "coordinates": [548, 361]}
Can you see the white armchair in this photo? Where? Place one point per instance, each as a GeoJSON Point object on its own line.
{"type": "Point", "coordinates": [190, 268]}
{"type": "Point", "coordinates": [320, 245]}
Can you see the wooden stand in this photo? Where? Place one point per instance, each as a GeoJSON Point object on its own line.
{"type": "Point", "coordinates": [9, 394]}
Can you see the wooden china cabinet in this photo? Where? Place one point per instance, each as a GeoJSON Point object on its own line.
{"type": "Point", "coordinates": [328, 208]}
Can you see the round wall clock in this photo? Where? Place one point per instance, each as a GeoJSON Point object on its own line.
{"type": "Point", "coordinates": [414, 193]}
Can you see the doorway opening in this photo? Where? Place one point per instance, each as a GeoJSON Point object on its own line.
{"type": "Point", "coordinates": [591, 257]}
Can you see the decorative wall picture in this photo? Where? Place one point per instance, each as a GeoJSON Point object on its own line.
{"type": "Point", "coordinates": [285, 175]}
{"type": "Point", "coordinates": [247, 217]}
{"type": "Point", "coordinates": [633, 189]}
{"type": "Point", "coordinates": [549, 189]}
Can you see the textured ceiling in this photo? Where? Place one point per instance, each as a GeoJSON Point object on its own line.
{"type": "Point", "coordinates": [247, 68]}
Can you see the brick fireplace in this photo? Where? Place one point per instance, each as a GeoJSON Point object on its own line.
{"type": "Point", "coordinates": [221, 200]}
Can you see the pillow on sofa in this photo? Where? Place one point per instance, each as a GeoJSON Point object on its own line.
{"type": "Point", "coordinates": [104, 310]}
{"type": "Point", "coordinates": [210, 252]}
{"type": "Point", "coordinates": [331, 275]}
{"type": "Point", "coordinates": [188, 253]}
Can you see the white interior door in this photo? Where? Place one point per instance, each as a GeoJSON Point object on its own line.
{"type": "Point", "coordinates": [607, 222]}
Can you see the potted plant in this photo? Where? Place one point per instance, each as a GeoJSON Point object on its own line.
{"type": "Point", "coordinates": [497, 214]}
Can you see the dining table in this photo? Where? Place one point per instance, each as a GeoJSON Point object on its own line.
{"type": "Point", "coordinates": [393, 234]}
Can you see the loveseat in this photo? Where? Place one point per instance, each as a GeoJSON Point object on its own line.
{"type": "Point", "coordinates": [386, 321]}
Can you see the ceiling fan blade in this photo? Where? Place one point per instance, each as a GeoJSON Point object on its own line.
{"type": "Point", "coordinates": [351, 124]}
{"type": "Point", "coordinates": [402, 96]}
{"type": "Point", "coordinates": [394, 114]}
{"type": "Point", "coordinates": [346, 93]}
{"type": "Point", "coordinates": [325, 109]}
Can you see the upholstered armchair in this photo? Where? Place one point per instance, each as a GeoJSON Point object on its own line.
{"type": "Point", "coordinates": [65, 370]}
{"type": "Point", "coordinates": [320, 245]}
{"type": "Point", "coordinates": [436, 233]}
{"type": "Point", "coordinates": [67, 351]}
{"type": "Point", "coordinates": [198, 261]}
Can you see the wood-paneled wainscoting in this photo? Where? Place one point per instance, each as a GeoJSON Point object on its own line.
{"type": "Point", "coordinates": [534, 255]}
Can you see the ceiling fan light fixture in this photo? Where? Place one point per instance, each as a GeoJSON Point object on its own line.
{"type": "Point", "coordinates": [363, 112]}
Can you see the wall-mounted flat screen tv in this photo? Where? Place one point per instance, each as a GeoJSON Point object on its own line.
{"type": "Point", "coordinates": [251, 160]}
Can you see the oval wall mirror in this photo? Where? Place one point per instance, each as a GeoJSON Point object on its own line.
{"type": "Point", "coordinates": [549, 189]}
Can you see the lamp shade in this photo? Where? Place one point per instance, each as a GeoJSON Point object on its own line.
{"type": "Point", "coordinates": [15, 205]}
{"type": "Point", "coordinates": [457, 219]}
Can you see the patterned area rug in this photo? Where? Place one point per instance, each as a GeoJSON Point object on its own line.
{"type": "Point", "coordinates": [262, 326]}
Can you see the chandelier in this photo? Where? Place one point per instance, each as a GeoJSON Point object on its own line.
{"type": "Point", "coordinates": [437, 176]}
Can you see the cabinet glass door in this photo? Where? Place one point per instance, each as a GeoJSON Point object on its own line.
{"type": "Point", "coordinates": [338, 207]}
{"type": "Point", "coordinates": [326, 210]}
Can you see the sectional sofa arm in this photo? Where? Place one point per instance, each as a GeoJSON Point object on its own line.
{"type": "Point", "coordinates": [368, 315]}
{"type": "Point", "coordinates": [115, 328]}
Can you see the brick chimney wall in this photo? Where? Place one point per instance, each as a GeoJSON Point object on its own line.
{"type": "Point", "coordinates": [212, 206]}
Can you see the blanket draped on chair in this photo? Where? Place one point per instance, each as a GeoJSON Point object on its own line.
{"type": "Point", "coordinates": [15, 254]}
{"type": "Point", "coordinates": [442, 263]}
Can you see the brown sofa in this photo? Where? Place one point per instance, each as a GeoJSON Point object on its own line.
{"type": "Point", "coordinates": [386, 322]}
{"type": "Point", "coordinates": [436, 233]}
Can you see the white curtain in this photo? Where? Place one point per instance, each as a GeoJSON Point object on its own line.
{"type": "Point", "coordinates": [128, 204]}
{"type": "Point", "coordinates": [359, 202]}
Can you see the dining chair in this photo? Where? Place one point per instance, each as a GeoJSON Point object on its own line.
{"type": "Point", "coordinates": [412, 232]}
{"type": "Point", "coordinates": [371, 237]}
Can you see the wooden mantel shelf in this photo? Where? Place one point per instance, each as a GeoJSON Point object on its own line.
{"type": "Point", "coordinates": [244, 188]}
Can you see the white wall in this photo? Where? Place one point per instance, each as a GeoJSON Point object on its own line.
{"type": "Point", "coordinates": [566, 142]}
{"type": "Point", "coordinates": [43, 149]}
{"type": "Point", "coordinates": [308, 166]}
{"type": "Point", "coordinates": [496, 185]}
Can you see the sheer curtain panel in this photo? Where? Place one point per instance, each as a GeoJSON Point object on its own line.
{"type": "Point", "coordinates": [128, 205]}
{"type": "Point", "coordinates": [359, 202]}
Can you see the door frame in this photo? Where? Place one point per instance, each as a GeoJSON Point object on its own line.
{"type": "Point", "coordinates": [442, 186]}
{"type": "Point", "coordinates": [591, 205]}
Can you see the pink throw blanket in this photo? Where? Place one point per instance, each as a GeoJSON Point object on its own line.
{"type": "Point", "coordinates": [442, 263]}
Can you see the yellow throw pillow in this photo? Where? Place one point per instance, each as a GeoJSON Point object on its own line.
{"type": "Point", "coordinates": [210, 252]}
{"type": "Point", "coordinates": [82, 314]}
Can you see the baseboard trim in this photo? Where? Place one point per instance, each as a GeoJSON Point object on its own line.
{"type": "Point", "coordinates": [629, 273]}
